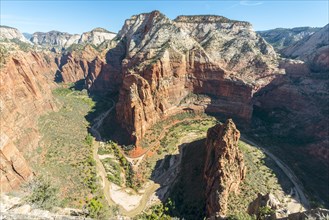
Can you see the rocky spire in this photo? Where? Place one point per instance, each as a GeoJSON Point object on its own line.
{"type": "Point", "coordinates": [224, 167]}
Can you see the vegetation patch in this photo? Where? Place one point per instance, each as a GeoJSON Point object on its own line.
{"type": "Point", "coordinates": [65, 152]}
{"type": "Point", "coordinates": [117, 165]}
{"type": "Point", "coordinates": [171, 133]}
{"type": "Point", "coordinates": [261, 177]}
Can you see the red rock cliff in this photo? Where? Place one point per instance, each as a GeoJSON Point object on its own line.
{"type": "Point", "coordinates": [168, 60]}
{"type": "Point", "coordinates": [224, 167]}
{"type": "Point", "coordinates": [25, 92]}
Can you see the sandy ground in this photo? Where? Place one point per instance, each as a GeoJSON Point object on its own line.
{"type": "Point", "coordinates": [102, 157]}
{"type": "Point", "coordinates": [123, 198]}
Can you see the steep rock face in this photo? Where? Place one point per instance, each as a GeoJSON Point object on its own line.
{"type": "Point", "coordinates": [267, 200]}
{"type": "Point", "coordinates": [11, 33]}
{"type": "Point", "coordinates": [54, 38]}
{"type": "Point", "coordinates": [76, 65]}
{"type": "Point", "coordinates": [281, 38]}
{"type": "Point", "coordinates": [61, 40]}
{"type": "Point", "coordinates": [192, 54]}
{"type": "Point", "coordinates": [302, 113]}
{"type": "Point", "coordinates": [314, 50]}
{"type": "Point", "coordinates": [25, 93]}
{"type": "Point", "coordinates": [293, 111]}
{"type": "Point", "coordinates": [90, 64]}
{"type": "Point", "coordinates": [96, 36]}
{"type": "Point", "coordinates": [224, 167]}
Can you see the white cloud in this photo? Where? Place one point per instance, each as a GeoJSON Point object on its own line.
{"type": "Point", "coordinates": [251, 3]}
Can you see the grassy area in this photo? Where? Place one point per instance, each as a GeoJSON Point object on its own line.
{"type": "Point", "coordinates": [117, 166]}
{"type": "Point", "coordinates": [188, 193]}
{"type": "Point", "coordinates": [262, 177]}
{"type": "Point", "coordinates": [185, 124]}
{"type": "Point", "coordinates": [65, 152]}
{"type": "Point", "coordinates": [152, 134]}
{"type": "Point", "coordinates": [113, 170]}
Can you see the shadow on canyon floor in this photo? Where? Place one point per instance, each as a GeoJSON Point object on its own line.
{"type": "Point", "coordinates": [182, 186]}
{"type": "Point", "coordinates": [183, 183]}
{"type": "Point", "coordinates": [290, 119]}
{"type": "Point", "coordinates": [110, 129]}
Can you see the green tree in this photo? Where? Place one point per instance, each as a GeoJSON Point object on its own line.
{"type": "Point", "coordinates": [42, 194]}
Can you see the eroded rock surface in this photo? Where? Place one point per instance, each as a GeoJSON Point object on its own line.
{"type": "Point", "coordinates": [314, 50]}
{"type": "Point", "coordinates": [281, 38]}
{"type": "Point", "coordinates": [25, 93]}
{"type": "Point", "coordinates": [10, 33]}
{"type": "Point", "coordinates": [224, 167]}
{"type": "Point", "coordinates": [163, 61]}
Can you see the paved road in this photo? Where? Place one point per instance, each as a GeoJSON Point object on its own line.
{"type": "Point", "coordinates": [289, 173]}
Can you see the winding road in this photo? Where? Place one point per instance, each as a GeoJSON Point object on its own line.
{"type": "Point", "coordinates": [289, 173]}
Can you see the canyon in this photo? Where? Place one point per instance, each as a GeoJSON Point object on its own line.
{"type": "Point", "coordinates": [156, 68]}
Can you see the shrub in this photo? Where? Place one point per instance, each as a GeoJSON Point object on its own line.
{"type": "Point", "coordinates": [89, 140]}
{"type": "Point", "coordinates": [42, 194]}
{"type": "Point", "coordinates": [94, 208]}
{"type": "Point", "coordinates": [265, 211]}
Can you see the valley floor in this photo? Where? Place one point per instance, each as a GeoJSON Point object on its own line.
{"type": "Point", "coordinates": [92, 170]}
{"type": "Point", "coordinates": [161, 165]}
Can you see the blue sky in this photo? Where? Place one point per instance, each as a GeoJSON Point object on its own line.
{"type": "Point", "coordinates": [81, 16]}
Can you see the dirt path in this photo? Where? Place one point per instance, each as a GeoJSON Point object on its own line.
{"type": "Point", "coordinates": [153, 187]}
{"type": "Point", "coordinates": [289, 173]}
{"type": "Point", "coordinates": [129, 204]}
{"type": "Point", "coordinates": [106, 184]}
{"type": "Point", "coordinates": [120, 197]}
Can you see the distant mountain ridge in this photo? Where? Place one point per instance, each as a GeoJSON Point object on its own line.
{"type": "Point", "coordinates": [280, 38]}
{"type": "Point", "coordinates": [313, 50]}
{"type": "Point", "coordinates": [57, 39]}
{"type": "Point", "coordinates": [10, 33]}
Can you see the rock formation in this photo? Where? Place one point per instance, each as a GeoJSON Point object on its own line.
{"type": "Point", "coordinates": [318, 214]}
{"type": "Point", "coordinates": [26, 80]}
{"type": "Point", "coordinates": [54, 39]}
{"type": "Point", "coordinates": [293, 110]}
{"type": "Point", "coordinates": [61, 40]}
{"type": "Point", "coordinates": [268, 200]}
{"type": "Point", "coordinates": [10, 33]}
{"type": "Point", "coordinates": [314, 50]}
{"type": "Point", "coordinates": [224, 167]}
{"type": "Point", "coordinates": [25, 92]}
{"type": "Point", "coordinates": [281, 38]}
{"type": "Point", "coordinates": [162, 61]}
{"type": "Point", "coordinates": [96, 36]}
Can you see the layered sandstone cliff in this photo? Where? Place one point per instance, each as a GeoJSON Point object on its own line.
{"type": "Point", "coordinates": [54, 39]}
{"type": "Point", "coordinates": [96, 36]}
{"type": "Point", "coordinates": [25, 92]}
{"type": "Point", "coordinates": [224, 167]}
{"type": "Point", "coordinates": [163, 61]}
{"type": "Point", "coordinates": [64, 40]}
{"type": "Point", "coordinates": [292, 113]}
